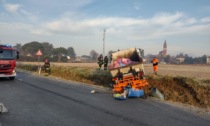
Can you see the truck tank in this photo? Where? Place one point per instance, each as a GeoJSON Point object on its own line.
{"type": "Point", "coordinates": [134, 57]}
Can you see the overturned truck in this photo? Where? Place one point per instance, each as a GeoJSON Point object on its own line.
{"type": "Point", "coordinates": [127, 72]}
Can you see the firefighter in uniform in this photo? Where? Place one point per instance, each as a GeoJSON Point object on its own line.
{"type": "Point", "coordinates": [106, 60]}
{"type": "Point", "coordinates": [47, 67]}
{"type": "Point", "coordinates": [155, 65]}
{"type": "Point", "coordinates": [100, 61]}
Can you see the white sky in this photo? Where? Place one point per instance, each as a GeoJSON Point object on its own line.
{"type": "Point", "coordinates": [185, 25]}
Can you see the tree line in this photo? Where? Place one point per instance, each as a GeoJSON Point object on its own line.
{"type": "Point", "coordinates": [178, 59]}
{"type": "Point", "coordinates": [28, 52]}
{"type": "Point", "coordinates": [187, 59]}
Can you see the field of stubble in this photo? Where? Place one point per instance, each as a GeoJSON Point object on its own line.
{"type": "Point", "coordinates": [194, 71]}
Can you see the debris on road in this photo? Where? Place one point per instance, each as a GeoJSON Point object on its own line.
{"type": "Point", "coordinates": [157, 94]}
{"type": "Point", "coordinates": [2, 108]}
{"type": "Point", "coordinates": [120, 96]}
{"type": "Point", "coordinates": [92, 91]}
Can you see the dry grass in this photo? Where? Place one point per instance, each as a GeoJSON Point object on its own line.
{"type": "Point", "coordinates": [194, 71]}
{"type": "Point", "coordinates": [82, 74]}
{"type": "Point", "coordinates": [182, 89]}
{"type": "Point", "coordinates": [89, 65]}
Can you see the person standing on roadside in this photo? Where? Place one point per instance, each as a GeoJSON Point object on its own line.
{"type": "Point", "coordinates": [47, 67]}
{"type": "Point", "coordinates": [155, 65]}
{"type": "Point", "coordinates": [100, 61]}
{"type": "Point", "coordinates": [105, 62]}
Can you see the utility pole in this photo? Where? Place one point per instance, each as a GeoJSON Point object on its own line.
{"type": "Point", "coordinates": [104, 42]}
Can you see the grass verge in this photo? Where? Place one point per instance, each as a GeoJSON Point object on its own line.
{"type": "Point", "coordinates": [81, 74]}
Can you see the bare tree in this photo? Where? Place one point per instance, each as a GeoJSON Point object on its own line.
{"type": "Point", "coordinates": [94, 55]}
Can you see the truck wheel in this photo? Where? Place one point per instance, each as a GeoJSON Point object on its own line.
{"type": "Point", "coordinates": [11, 78]}
{"type": "Point", "coordinates": [144, 96]}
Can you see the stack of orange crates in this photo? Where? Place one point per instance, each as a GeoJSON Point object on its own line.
{"type": "Point", "coordinates": [129, 80]}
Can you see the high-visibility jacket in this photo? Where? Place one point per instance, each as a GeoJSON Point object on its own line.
{"type": "Point", "coordinates": [155, 62]}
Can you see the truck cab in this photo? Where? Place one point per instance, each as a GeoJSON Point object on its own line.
{"type": "Point", "coordinates": [8, 58]}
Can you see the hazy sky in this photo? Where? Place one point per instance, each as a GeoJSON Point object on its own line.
{"type": "Point", "coordinates": [184, 24]}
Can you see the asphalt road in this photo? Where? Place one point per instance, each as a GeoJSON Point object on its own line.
{"type": "Point", "coordinates": [44, 101]}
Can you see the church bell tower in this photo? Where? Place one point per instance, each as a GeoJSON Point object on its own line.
{"type": "Point", "coordinates": [164, 49]}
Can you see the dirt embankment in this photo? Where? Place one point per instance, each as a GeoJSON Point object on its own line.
{"type": "Point", "coordinates": [183, 89]}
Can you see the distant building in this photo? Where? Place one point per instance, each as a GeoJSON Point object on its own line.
{"type": "Point", "coordinates": [28, 55]}
{"type": "Point", "coordinates": [78, 59]}
{"type": "Point", "coordinates": [162, 54]}
{"type": "Point", "coordinates": [85, 58]}
{"type": "Point", "coordinates": [208, 60]}
{"type": "Point", "coordinates": [180, 58]}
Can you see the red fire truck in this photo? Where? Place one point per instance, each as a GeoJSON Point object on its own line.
{"type": "Point", "coordinates": [8, 57]}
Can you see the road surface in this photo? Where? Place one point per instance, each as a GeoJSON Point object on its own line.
{"type": "Point", "coordinates": [45, 101]}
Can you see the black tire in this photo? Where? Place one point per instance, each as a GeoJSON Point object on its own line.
{"type": "Point", "coordinates": [11, 78]}
{"type": "Point", "coordinates": [144, 96]}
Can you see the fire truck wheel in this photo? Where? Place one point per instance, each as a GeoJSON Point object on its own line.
{"type": "Point", "coordinates": [11, 78]}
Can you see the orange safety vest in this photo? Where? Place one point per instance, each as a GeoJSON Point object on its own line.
{"type": "Point", "coordinates": [155, 64]}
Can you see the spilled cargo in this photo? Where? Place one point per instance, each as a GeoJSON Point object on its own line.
{"type": "Point", "coordinates": [127, 72]}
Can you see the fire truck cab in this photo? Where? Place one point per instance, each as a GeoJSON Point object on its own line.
{"type": "Point", "coordinates": [8, 57]}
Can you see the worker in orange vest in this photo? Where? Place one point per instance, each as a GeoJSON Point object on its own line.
{"type": "Point", "coordinates": [155, 65]}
